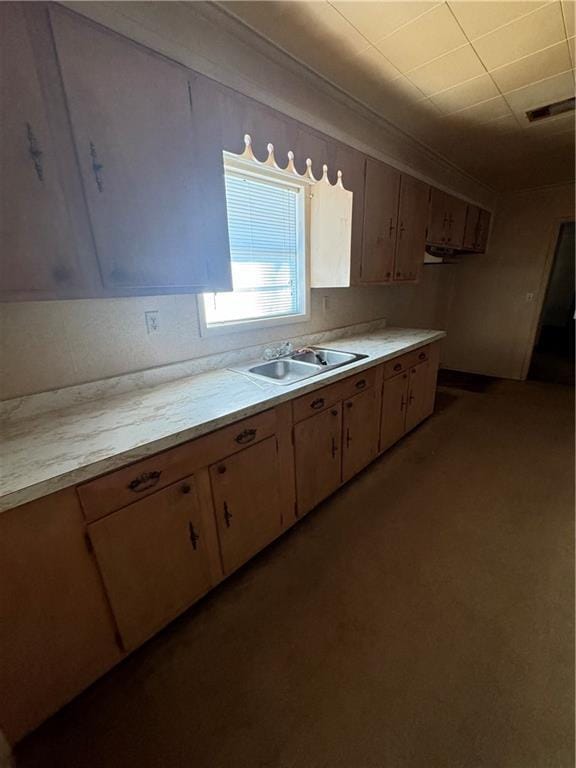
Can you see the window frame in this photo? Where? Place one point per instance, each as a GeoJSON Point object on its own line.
{"type": "Point", "coordinates": [270, 174]}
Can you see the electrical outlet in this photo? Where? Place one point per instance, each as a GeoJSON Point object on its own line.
{"type": "Point", "coordinates": [529, 297]}
{"type": "Point", "coordinates": [325, 305]}
{"type": "Point", "coordinates": [152, 319]}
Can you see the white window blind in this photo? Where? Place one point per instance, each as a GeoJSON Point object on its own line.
{"type": "Point", "coordinates": [264, 217]}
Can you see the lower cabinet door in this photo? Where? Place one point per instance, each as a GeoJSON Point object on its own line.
{"type": "Point", "coordinates": [247, 502]}
{"type": "Point", "coordinates": [317, 443]}
{"type": "Point", "coordinates": [360, 432]}
{"type": "Point", "coordinates": [153, 559]}
{"type": "Point", "coordinates": [394, 403]}
{"type": "Point", "coordinates": [418, 395]}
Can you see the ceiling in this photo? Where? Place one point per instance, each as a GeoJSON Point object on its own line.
{"type": "Point", "coordinates": [457, 75]}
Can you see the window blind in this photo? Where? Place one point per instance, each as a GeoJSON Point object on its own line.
{"type": "Point", "coordinates": [263, 221]}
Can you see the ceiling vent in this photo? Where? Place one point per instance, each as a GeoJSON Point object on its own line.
{"type": "Point", "coordinates": [550, 110]}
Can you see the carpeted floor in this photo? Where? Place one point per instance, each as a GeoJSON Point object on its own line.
{"type": "Point", "coordinates": [420, 618]}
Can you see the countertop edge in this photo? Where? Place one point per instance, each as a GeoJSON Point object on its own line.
{"type": "Point", "coordinates": [92, 470]}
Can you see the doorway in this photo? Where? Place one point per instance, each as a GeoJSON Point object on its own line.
{"type": "Point", "coordinates": [553, 356]}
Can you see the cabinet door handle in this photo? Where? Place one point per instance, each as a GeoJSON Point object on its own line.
{"type": "Point", "coordinates": [227, 515]}
{"type": "Point", "coordinates": [402, 403]}
{"type": "Point", "coordinates": [246, 436]}
{"type": "Point", "coordinates": [334, 412]}
{"type": "Point", "coordinates": [145, 481]}
{"type": "Point", "coordinates": [411, 397]}
{"type": "Point", "coordinates": [96, 167]}
{"type": "Point", "coordinates": [398, 367]}
{"type": "Point", "coordinates": [194, 537]}
{"type": "Point", "coordinates": [360, 384]}
{"type": "Point", "coordinates": [348, 438]}
{"type": "Point", "coordinates": [422, 356]}
{"type": "Point", "coordinates": [318, 403]}
{"type": "Point", "coordinates": [391, 228]}
{"type": "Point", "coordinates": [35, 152]}
{"type": "Point", "coordinates": [334, 450]}
{"type": "Point", "coordinates": [402, 229]}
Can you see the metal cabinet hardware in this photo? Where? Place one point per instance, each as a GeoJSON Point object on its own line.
{"type": "Point", "coordinates": [35, 152]}
{"type": "Point", "coordinates": [221, 469]}
{"type": "Point", "coordinates": [318, 403]}
{"type": "Point", "coordinates": [391, 228]}
{"type": "Point", "coordinates": [194, 537]}
{"type": "Point", "coordinates": [145, 481]}
{"type": "Point", "coordinates": [96, 167]}
{"type": "Point", "coordinates": [422, 356]}
{"type": "Point", "coordinates": [360, 384]}
{"type": "Point", "coordinates": [246, 436]}
{"type": "Point", "coordinates": [398, 367]}
{"type": "Point", "coordinates": [334, 449]}
{"type": "Point", "coordinates": [227, 515]}
{"type": "Point", "coordinates": [186, 488]}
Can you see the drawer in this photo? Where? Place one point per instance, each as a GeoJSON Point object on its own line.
{"type": "Point", "coordinates": [324, 398]}
{"type": "Point", "coordinates": [403, 362]}
{"type": "Point", "coordinates": [117, 489]}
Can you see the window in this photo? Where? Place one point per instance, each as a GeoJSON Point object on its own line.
{"type": "Point", "coordinates": [266, 225]}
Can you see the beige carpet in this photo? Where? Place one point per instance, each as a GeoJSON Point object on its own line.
{"type": "Point", "coordinates": [421, 618]}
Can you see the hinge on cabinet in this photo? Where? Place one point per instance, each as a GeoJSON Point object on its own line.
{"type": "Point", "coordinates": [88, 542]}
{"type": "Point", "coordinates": [190, 96]}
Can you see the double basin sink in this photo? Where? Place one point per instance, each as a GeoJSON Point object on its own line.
{"type": "Point", "coordinates": [301, 365]}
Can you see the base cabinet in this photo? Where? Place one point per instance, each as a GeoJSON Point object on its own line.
{"type": "Point", "coordinates": [153, 558]}
{"type": "Point", "coordinates": [393, 421]}
{"type": "Point", "coordinates": [360, 432]}
{"type": "Point", "coordinates": [317, 442]}
{"type": "Point", "coordinates": [246, 489]}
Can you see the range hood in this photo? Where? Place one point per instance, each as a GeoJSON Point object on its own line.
{"type": "Point", "coordinates": [439, 254]}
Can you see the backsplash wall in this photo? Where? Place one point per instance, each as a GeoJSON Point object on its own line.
{"type": "Point", "coordinates": [49, 345]}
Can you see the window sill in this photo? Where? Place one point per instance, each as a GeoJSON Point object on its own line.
{"type": "Point", "coordinates": [249, 325]}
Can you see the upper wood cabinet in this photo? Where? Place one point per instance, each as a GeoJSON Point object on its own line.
{"type": "Point", "coordinates": [45, 251]}
{"type": "Point", "coordinates": [153, 558]}
{"type": "Point", "coordinates": [476, 230]}
{"type": "Point", "coordinates": [143, 169]}
{"type": "Point", "coordinates": [412, 219]}
{"type": "Point", "coordinates": [381, 196]}
{"type": "Point", "coordinates": [446, 219]}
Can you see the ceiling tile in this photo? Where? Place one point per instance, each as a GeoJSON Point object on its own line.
{"type": "Point", "coordinates": [431, 35]}
{"type": "Point", "coordinates": [545, 63]}
{"type": "Point", "coordinates": [375, 63]}
{"type": "Point", "coordinates": [541, 93]}
{"type": "Point", "coordinates": [482, 112]}
{"type": "Point", "coordinates": [376, 20]}
{"type": "Point", "coordinates": [501, 125]}
{"type": "Point", "coordinates": [568, 9]}
{"type": "Point", "coordinates": [479, 17]}
{"type": "Point", "coordinates": [453, 68]}
{"type": "Point", "coordinates": [522, 37]}
{"type": "Point", "coordinates": [465, 95]}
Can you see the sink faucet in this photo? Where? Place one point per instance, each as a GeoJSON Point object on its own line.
{"type": "Point", "coordinates": [282, 350]}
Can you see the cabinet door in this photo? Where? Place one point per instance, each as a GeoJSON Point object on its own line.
{"type": "Point", "coordinates": [360, 432]}
{"type": "Point", "coordinates": [317, 443]}
{"type": "Point", "coordinates": [456, 210]}
{"type": "Point", "coordinates": [471, 227]}
{"type": "Point", "coordinates": [247, 502]}
{"type": "Point", "coordinates": [37, 245]}
{"type": "Point", "coordinates": [418, 395]}
{"type": "Point", "coordinates": [132, 123]}
{"type": "Point", "coordinates": [393, 419]}
{"type": "Point", "coordinates": [482, 231]}
{"type": "Point", "coordinates": [153, 559]}
{"type": "Point", "coordinates": [412, 221]}
{"type": "Point", "coordinates": [380, 222]}
{"type": "Point", "coordinates": [437, 218]}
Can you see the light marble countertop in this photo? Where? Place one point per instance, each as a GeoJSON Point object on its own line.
{"type": "Point", "coordinates": [49, 451]}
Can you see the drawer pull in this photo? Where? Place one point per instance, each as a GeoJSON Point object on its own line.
{"type": "Point", "coordinates": [145, 481]}
{"type": "Point", "coordinates": [334, 412]}
{"type": "Point", "coordinates": [360, 384]}
{"type": "Point", "coordinates": [221, 469]}
{"type": "Point", "coordinates": [194, 538]}
{"type": "Point", "coordinates": [398, 367]}
{"type": "Point", "coordinates": [246, 436]}
{"type": "Point", "coordinates": [422, 356]}
{"type": "Point", "coordinates": [186, 488]}
{"type": "Point", "coordinates": [318, 403]}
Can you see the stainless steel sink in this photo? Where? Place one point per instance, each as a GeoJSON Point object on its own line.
{"type": "Point", "coordinates": [300, 365]}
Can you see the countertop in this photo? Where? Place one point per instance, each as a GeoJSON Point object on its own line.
{"type": "Point", "coordinates": [48, 452]}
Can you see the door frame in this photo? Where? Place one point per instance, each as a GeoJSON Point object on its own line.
{"type": "Point", "coordinates": [542, 290]}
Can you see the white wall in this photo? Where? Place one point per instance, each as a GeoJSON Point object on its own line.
{"type": "Point", "coordinates": [491, 326]}
{"type": "Point", "coordinates": [48, 345]}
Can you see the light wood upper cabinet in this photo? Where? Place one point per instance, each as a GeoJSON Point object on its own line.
{"type": "Point", "coordinates": [247, 503]}
{"type": "Point", "coordinates": [412, 219]}
{"type": "Point", "coordinates": [40, 251]}
{"type": "Point", "coordinates": [394, 400]}
{"type": "Point", "coordinates": [131, 113]}
{"type": "Point", "coordinates": [476, 229]}
{"type": "Point", "coordinates": [482, 231]}
{"type": "Point", "coordinates": [446, 219]}
{"type": "Point", "coordinates": [153, 558]}
{"type": "Point", "coordinates": [317, 454]}
{"type": "Point", "coordinates": [381, 196]}
{"type": "Point", "coordinates": [360, 432]}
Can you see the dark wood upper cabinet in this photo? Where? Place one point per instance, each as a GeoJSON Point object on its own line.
{"type": "Point", "coordinates": [144, 170]}
{"type": "Point", "coordinates": [381, 195]}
